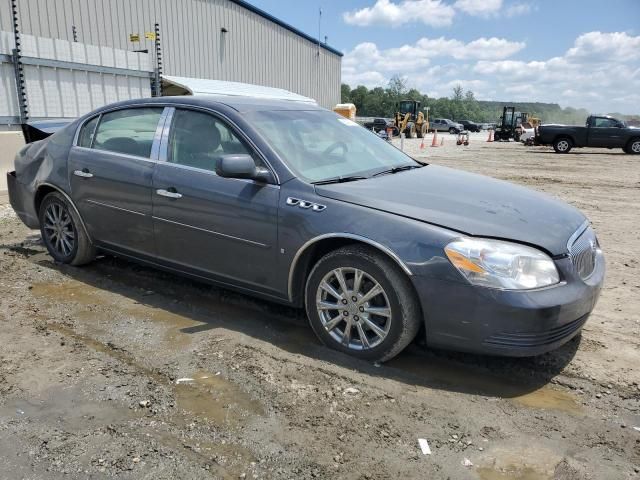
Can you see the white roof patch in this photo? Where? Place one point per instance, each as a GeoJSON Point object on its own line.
{"type": "Point", "coordinates": [201, 86]}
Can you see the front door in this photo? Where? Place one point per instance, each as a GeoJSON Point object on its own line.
{"type": "Point", "coordinates": [221, 228]}
{"type": "Point", "coordinates": [111, 172]}
{"type": "Point", "coordinates": [605, 133]}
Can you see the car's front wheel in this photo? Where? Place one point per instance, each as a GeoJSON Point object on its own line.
{"type": "Point", "coordinates": [453, 131]}
{"type": "Point", "coordinates": [62, 231]}
{"type": "Point", "coordinates": [360, 302]}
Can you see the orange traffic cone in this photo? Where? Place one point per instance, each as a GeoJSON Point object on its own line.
{"type": "Point", "coordinates": [434, 143]}
{"type": "Point", "coordinates": [442, 142]}
{"type": "Point", "coordinates": [490, 139]}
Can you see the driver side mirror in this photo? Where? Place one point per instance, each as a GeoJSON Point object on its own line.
{"type": "Point", "coordinates": [241, 166]}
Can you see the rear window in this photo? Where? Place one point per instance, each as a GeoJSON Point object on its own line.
{"type": "Point", "coordinates": [86, 134]}
{"type": "Point", "coordinates": [130, 131]}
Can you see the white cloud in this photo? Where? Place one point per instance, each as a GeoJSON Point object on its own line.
{"type": "Point", "coordinates": [414, 57]}
{"type": "Point", "coordinates": [434, 13]}
{"type": "Point", "coordinates": [517, 9]}
{"type": "Point", "coordinates": [600, 71]}
{"type": "Point", "coordinates": [479, 8]}
{"type": "Point", "coordinates": [597, 65]}
{"type": "Point", "coordinates": [605, 47]}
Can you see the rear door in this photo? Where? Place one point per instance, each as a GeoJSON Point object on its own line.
{"type": "Point", "coordinates": [220, 228]}
{"type": "Point", "coordinates": [604, 132]}
{"type": "Point", "coordinates": [111, 171]}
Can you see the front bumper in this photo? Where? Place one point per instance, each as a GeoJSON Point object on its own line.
{"type": "Point", "coordinates": [463, 317]}
{"type": "Point", "coordinates": [21, 201]}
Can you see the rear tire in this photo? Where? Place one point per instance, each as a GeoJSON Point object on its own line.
{"type": "Point", "coordinates": [453, 131]}
{"type": "Point", "coordinates": [371, 327]}
{"type": "Point", "coordinates": [62, 231]}
{"type": "Point", "coordinates": [633, 148]}
{"type": "Point", "coordinates": [562, 145]}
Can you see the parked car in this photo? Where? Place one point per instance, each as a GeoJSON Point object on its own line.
{"type": "Point", "coordinates": [445, 125]}
{"type": "Point", "coordinates": [295, 204]}
{"type": "Point", "coordinates": [470, 126]}
{"type": "Point", "coordinates": [378, 124]}
{"type": "Point", "coordinates": [601, 131]}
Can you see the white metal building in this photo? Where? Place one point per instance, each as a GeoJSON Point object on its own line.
{"type": "Point", "coordinates": [227, 40]}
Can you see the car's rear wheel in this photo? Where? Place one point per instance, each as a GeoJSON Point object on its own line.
{"type": "Point", "coordinates": [62, 231]}
{"type": "Point", "coordinates": [360, 302]}
{"type": "Point", "coordinates": [633, 147]}
{"type": "Point", "coordinates": [562, 145]}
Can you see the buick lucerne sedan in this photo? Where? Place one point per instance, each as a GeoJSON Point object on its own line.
{"type": "Point", "coordinates": [295, 204]}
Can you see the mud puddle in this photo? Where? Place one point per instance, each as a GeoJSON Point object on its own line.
{"type": "Point", "coordinates": [519, 463]}
{"type": "Point", "coordinates": [548, 398]}
{"type": "Point", "coordinates": [211, 397]}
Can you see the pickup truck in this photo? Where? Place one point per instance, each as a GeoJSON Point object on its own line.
{"type": "Point", "coordinates": [600, 131]}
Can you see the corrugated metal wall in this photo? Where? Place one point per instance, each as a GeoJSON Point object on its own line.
{"type": "Point", "coordinates": [69, 84]}
{"type": "Point", "coordinates": [253, 50]}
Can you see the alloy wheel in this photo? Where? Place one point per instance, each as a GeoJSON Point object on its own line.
{"type": "Point", "coordinates": [635, 147]}
{"type": "Point", "coordinates": [563, 145]}
{"type": "Point", "coordinates": [58, 229]}
{"type": "Point", "coordinates": [353, 308]}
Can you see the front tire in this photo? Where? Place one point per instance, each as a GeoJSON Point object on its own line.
{"type": "Point", "coordinates": [361, 303]}
{"type": "Point", "coordinates": [562, 145]}
{"type": "Point", "coordinates": [62, 231]}
{"type": "Point", "coordinates": [453, 131]}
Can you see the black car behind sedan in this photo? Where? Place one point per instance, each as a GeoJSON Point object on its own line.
{"type": "Point", "coordinates": [469, 125]}
{"type": "Point", "coordinates": [295, 204]}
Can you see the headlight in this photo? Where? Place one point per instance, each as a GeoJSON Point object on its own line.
{"type": "Point", "coordinates": [504, 265]}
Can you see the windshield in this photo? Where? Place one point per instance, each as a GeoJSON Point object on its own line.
{"type": "Point", "coordinates": [320, 145]}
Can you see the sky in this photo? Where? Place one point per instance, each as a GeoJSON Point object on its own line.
{"type": "Point", "coordinates": [579, 53]}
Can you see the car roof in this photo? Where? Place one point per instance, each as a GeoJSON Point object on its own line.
{"type": "Point", "coordinates": [238, 103]}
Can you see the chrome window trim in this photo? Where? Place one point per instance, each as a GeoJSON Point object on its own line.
{"type": "Point", "coordinates": [352, 236]}
{"type": "Point", "coordinates": [157, 137]}
{"type": "Point", "coordinates": [154, 147]}
{"type": "Point", "coordinates": [163, 153]}
{"type": "Point", "coordinates": [225, 119]}
{"type": "Point", "coordinates": [213, 174]}
{"type": "Point", "coordinates": [212, 232]}
{"type": "Point", "coordinates": [118, 154]}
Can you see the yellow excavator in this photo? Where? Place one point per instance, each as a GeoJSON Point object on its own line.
{"type": "Point", "coordinates": [410, 120]}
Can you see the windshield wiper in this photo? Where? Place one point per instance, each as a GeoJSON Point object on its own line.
{"type": "Point", "coordinates": [398, 169]}
{"type": "Point", "coordinates": [351, 178]}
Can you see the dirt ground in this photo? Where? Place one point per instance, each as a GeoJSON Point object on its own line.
{"type": "Point", "coordinates": [116, 370]}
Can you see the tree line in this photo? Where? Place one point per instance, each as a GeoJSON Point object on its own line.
{"type": "Point", "coordinates": [461, 105]}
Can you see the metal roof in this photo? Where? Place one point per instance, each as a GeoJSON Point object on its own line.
{"type": "Point", "coordinates": [201, 86]}
{"type": "Point", "coordinates": [291, 28]}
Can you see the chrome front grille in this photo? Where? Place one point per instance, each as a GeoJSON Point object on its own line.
{"type": "Point", "coordinates": [583, 252]}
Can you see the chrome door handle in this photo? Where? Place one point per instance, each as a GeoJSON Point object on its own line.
{"type": "Point", "coordinates": [83, 173]}
{"type": "Point", "coordinates": [167, 193]}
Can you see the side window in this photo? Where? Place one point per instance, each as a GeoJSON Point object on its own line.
{"type": "Point", "coordinates": [129, 131]}
{"type": "Point", "coordinates": [86, 134]}
{"type": "Point", "coordinates": [604, 123]}
{"type": "Point", "coordinates": [198, 139]}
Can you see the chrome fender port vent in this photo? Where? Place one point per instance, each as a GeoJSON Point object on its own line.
{"type": "Point", "coordinates": [304, 204]}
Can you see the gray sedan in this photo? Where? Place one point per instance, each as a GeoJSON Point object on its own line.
{"type": "Point", "coordinates": [294, 204]}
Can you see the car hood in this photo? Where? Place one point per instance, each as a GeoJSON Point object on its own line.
{"type": "Point", "coordinates": [468, 203]}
